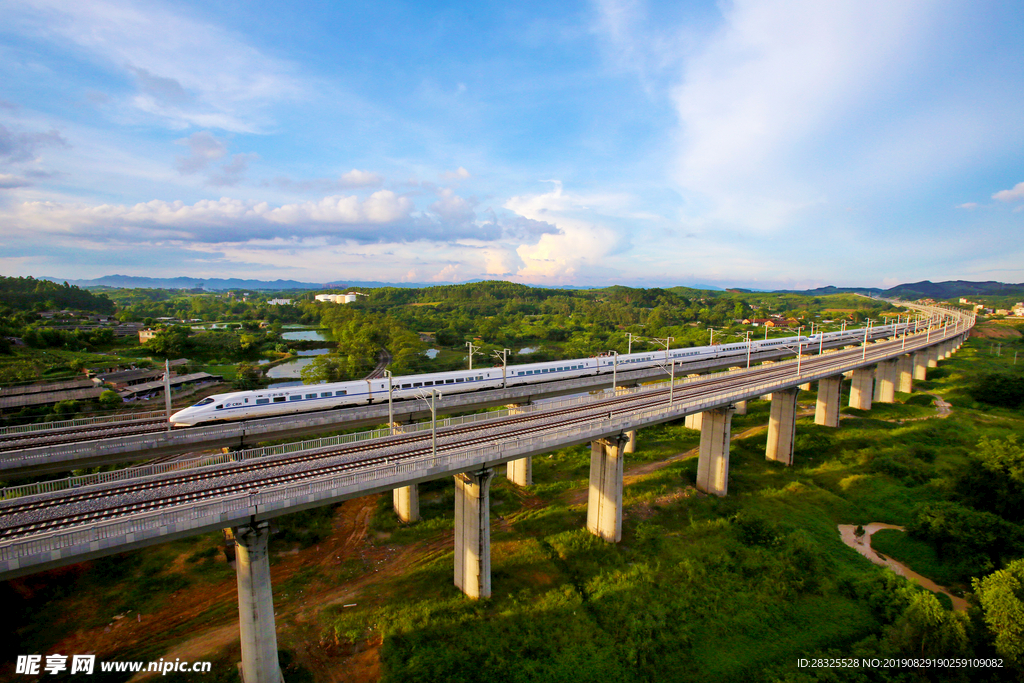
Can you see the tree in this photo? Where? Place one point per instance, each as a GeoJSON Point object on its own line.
{"type": "Point", "coordinates": [247, 377]}
{"type": "Point", "coordinates": [172, 341]}
{"type": "Point", "coordinates": [1001, 595]}
{"type": "Point", "coordinates": [326, 368]}
{"type": "Point", "coordinates": [927, 629]}
{"type": "Point", "coordinates": [110, 399]}
{"type": "Point", "coordinates": [993, 478]}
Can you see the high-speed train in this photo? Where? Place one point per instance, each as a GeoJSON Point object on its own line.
{"type": "Point", "coordinates": [241, 405]}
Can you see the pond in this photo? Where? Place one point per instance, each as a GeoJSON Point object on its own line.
{"type": "Point", "coordinates": [431, 353]}
{"type": "Point", "coordinates": [527, 350]}
{"type": "Point", "coordinates": [293, 368]}
{"type": "Point", "coordinates": [307, 335]}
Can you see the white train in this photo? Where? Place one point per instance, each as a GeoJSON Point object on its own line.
{"type": "Point", "coordinates": [241, 405]}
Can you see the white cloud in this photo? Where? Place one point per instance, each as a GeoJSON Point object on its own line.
{"type": "Point", "coordinates": [777, 77]}
{"type": "Point", "coordinates": [458, 174]}
{"type": "Point", "coordinates": [220, 221]}
{"type": "Point", "coordinates": [580, 242]}
{"type": "Point", "coordinates": [203, 148]}
{"type": "Point", "coordinates": [357, 178]}
{"type": "Point", "coordinates": [186, 71]}
{"type": "Point", "coordinates": [970, 206]}
{"type": "Point", "coordinates": [1014, 195]}
{"type": "Point", "coordinates": [10, 182]}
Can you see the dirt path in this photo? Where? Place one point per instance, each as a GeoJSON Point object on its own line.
{"type": "Point", "coordinates": [863, 546]}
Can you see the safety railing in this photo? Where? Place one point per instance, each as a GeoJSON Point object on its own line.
{"type": "Point", "coordinates": [82, 422]}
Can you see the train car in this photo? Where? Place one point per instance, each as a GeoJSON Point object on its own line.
{"type": "Point", "coordinates": [241, 405]}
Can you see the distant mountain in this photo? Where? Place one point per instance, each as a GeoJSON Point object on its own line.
{"type": "Point", "coordinates": [219, 284]}
{"type": "Point", "coordinates": [953, 289]}
{"type": "Point", "coordinates": [926, 289]}
{"type": "Point", "coordinates": [915, 290]}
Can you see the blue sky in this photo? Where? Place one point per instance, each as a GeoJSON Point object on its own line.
{"type": "Point", "coordinates": [763, 144]}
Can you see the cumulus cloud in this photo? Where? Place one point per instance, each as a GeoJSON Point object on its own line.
{"type": "Point", "coordinates": [357, 178]}
{"type": "Point", "coordinates": [580, 241]}
{"type": "Point", "coordinates": [453, 209]}
{"type": "Point", "coordinates": [1014, 195]}
{"type": "Point", "coordinates": [381, 217]}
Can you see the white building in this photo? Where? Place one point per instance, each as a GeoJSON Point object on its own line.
{"type": "Point", "coordinates": [339, 298]}
{"type": "Point", "coordinates": [279, 302]}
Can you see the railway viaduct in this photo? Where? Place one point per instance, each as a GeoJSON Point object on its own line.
{"type": "Point", "coordinates": [70, 531]}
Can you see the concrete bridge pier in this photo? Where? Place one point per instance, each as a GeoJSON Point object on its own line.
{"type": "Point", "coordinates": [947, 349]}
{"type": "Point", "coordinates": [860, 389]}
{"type": "Point", "coordinates": [886, 382]}
{"type": "Point", "coordinates": [933, 356]}
{"type": "Point", "coordinates": [782, 426]}
{"type": "Point", "coordinates": [905, 370]}
{"type": "Point", "coordinates": [473, 533]}
{"type": "Point", "coordinates": [604, 502]}
{"type": "Point", "coordinates": [694, 421]}
{"type": "Point", "coordinates": [920, 366]}
{"type": "Point", "coordinates": [256, 605]}
{"type": "Point", "coordinates": [826, 410]}
{"type": "Point", "coordinates": [519, 472]}
{"type": "Point", "coordinates": [740, 408]}
{"type": "Point", "coordinates": [406, 501]}
{"type": "Point", "coordinates": [806, 386]}
{"type": "Point", "coordinates": [630, 446]}
{"type": "Point", "coordinates": [713, 461]}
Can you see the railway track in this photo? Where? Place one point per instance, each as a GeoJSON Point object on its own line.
{"type": "Point", "coordinates": [49, 512]}
{"type": "Point", "coordinates": [14, 442]}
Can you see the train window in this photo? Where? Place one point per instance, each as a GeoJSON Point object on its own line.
{"type": "Point", "coordinates": [406, 386]}
{"type": "Point", "coordinates": [448, 381]}
{"type": "Point", "coordinates": [205, 402]}
{"type": "Point", "coordinates": [262, 401]}
{"type": "Point", "coordinates": [417, 384]}
{"type": "Point", "coordinates": [310, 395]}
{"type": "Point", "coordinates": [428, 384]}
{"type": "Point", "coordinates": [246, 400]}
{"type": "Point", "coordinates": [325, 394]}
{"type": "Point", "coordinates": [296, 397]}
{"type": "Point", "coordinates": [459, 379]}
{"type": "Point", "coordinates": [280, 399]}
{"type": "Point", "coordinates": [343, 392]}
{"type": "Point", "coordinates": [220, 407]}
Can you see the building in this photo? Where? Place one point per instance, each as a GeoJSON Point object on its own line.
{"type": "Point", "coordinates": [279, 302]}
{"type": "Point", "coordinates": [339, 298]}
{"type": "Point", "coordinates": [146, 335]}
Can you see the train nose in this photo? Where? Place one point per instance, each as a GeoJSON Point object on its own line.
{"type": "Point", "coordinates": [182, 418]}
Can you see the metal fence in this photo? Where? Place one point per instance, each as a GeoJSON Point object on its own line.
{"type": "Point", "coordinates": [82, 422]}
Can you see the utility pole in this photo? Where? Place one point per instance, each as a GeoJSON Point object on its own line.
{"type": "Point", "coordinates": [503, 357]}
{"type": "Point", "coordinates": [615, 370]}
{"type": "Point", "coordinates": [472, 350]}
{"type": "Point", "coordinates": [167, 391]}
{"type": "Point", "coordinates": [748, 348]}
{"type": "Point", "coordinates": [391, 411]}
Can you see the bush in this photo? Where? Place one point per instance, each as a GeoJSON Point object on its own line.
{"type": "Point", "coordinates": [999, 389]}
{"type": "Point", "coordinates": [110, 399]}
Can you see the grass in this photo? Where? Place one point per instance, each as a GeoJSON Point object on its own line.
{"type": "Point", "coordinates": [914, 553]}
